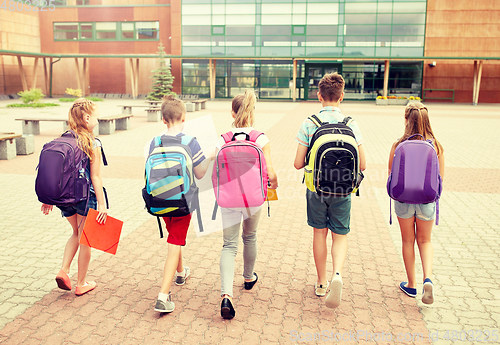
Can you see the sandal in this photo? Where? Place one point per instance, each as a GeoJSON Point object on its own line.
{"type": "Point", "coordinates": [321, 290]}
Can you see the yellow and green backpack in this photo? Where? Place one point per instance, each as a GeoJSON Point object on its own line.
{"type": "Point", "coordinates": [332, 160]}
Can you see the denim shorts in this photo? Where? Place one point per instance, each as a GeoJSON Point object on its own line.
{"type": "Point", "coordinates": [329, 212]}
{"type": "Point", "coordinates": [82, 208]}
{"type": "Point", "coordinates": [421, 211]}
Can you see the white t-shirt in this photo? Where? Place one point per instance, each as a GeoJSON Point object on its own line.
{"type": "Point", "coordinates": [262, 140]}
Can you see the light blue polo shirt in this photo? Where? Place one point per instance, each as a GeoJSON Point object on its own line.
{"type": "Point", "coordinates": [327, 114]}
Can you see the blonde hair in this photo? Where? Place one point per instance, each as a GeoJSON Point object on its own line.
{"type": "Point", "coordinates": [77, 123]}
{"type": "Point", "coordinates": [417, 122]}
{"type": "Point", "coordinates": [243, 107]}
{"type": "Point", "coordinates": [172, 109]}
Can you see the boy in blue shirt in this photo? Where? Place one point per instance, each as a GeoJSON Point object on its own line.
{"type": "Point", "coordinates": [328, 212]}
{"type": "Point", "coordinates": [174, 115]}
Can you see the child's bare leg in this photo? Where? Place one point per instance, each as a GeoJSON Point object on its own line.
{"type": "Point", "coordinates": [424, 229]}
{"type": "Point", "coordinates": [71, 246]}
{"type": "Point", "coordinates": [171, 264]}
{"type": "Point", "coordinates": [320, 253]}
{"type": "Point", "coordinates": [83, 255]}
{"type": "Point", "coordinates": [407, 227]}
{"type": "Point", "coordinates": [180, 267]}
{"type": "Point", "coordinates": [339, 252]}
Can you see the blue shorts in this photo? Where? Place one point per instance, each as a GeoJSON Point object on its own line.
{"type": "Point", "coordinates": [421, 211]}
{"type": "Point", "coordinates": [82, 208]}
{"type": "Point", "coordinates": [329, 212]}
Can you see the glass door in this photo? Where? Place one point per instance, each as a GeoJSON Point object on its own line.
{"type": "Point", "coordinates": [314, 73]}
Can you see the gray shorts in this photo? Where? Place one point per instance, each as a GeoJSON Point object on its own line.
{"type": "Point", "coordinates": [329, 212]}
{"type": "Point", "coordinates": [421, 211]}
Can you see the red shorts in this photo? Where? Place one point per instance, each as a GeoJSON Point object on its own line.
{"type": "Point", "coordinates": [177, 228]}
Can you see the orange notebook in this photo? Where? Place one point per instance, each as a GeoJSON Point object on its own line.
{"type": "Point", "coordinates": [271, 194]}
{"type": "Point", "coordinates": [105, 236]}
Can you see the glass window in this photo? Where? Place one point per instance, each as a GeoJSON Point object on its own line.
{"type": "Point", "coordinates": [384, 29]}
{"type": "Point", "coordinates": [408, 18]}
{"type": "Point", "coordinates": [128, 31]}
{"type": "Point", "coordinates": [408, 30]}
{"type": "Point", "coordinates": [360, 18]}
{"type": "Point", "coordinates": [105, 30]}
{"type": "Point", "coordinates": [66, 26]}
{"type": "Point", "coordinates": [276, 19]}
{"type": "Point", "coordinates": [360, 7]}
{"type": "Point", "coordinates": [299, 30]}
{"type": "Point", "coordinates": [240, 19]}
{"type": "Point", "coordinates": [360, 29]}
{"type": "Point", "coordinates": [86, 31]}
{"type": "Point", "coordinates": [240, 30]}
{"type": "Point", "coordinates": [384, 18]}
{"type": "Point", "coordinates": [323, 8]}
{"type": "Point", "coordinates": [276, 9]}
{"type": "Point", "coordinates": [196, 9]}
{"type": "Point", "coordinates": [147, 30]}
{"type": "Point", "coordinates": [327, 30]}
{"type": "Point", "coordinates": [65, 35]}
{"type": "Point", "coordinates": [196, 20]}
{"type": "Point", "coordinates": [321, 19]}
{"type": "Point", "coordinates": [218, 30]}
{"type": "Point", "coordinates": [195, 30]}
{"type": "Point", "coordinates": [276, 30]}
{"type": "Point", "coordinates": [409, 7]}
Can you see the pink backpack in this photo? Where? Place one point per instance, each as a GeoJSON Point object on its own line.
{"type": "Point", "coordinates": [240, 176]}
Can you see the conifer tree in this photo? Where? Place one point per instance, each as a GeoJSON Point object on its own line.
{"type": "Point", "coordinates": [162, 78]}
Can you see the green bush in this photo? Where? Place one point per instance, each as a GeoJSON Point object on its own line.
{"type": "Point", "coordinates": [32, 105]}
{"type": "Point", "coordinates": [31, 96]}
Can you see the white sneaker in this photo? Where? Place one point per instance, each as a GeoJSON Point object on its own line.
{"type": "Point", "coordinates": [335, 295]}
{"type": "Point", "coordinates": [180, 280]}
{"type": "Point", "coordinates": [428, 294]}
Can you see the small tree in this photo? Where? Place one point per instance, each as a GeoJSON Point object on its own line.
{"type": "Point", "coordinates": [163, 79]}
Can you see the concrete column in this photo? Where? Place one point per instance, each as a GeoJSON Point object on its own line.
{"type": "Point", "coordinates": [386, 77]}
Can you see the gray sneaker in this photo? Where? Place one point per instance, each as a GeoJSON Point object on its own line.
{"type": "Point", "coordinates": [165, 307]}
{"type": "Point", "coordinates": [179, 280]}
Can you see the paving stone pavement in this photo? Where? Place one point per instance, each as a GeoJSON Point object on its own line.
{"type": "Point", "coordinates": [282, 307]}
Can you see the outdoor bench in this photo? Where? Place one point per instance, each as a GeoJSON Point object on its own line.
{"type": "Point", "coordinates": [31, 125]}
{"type": "Point", "coordinates": [8, 145]}
{"type": "Point", "coordinates": [108, 124]}
{"type": "Point", "coordinates": [127, 109]}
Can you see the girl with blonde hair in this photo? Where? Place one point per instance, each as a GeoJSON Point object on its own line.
{"type": "Point", "coordinates": [82, 120]}
{"type": "Point", "coordinates": [243, 107]}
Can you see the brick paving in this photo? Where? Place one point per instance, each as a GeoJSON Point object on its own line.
{"type": "Point", "coordinates": [282, 307]}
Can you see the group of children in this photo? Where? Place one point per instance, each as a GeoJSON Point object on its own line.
{"type": "Point", "coordinates": [324, 213]}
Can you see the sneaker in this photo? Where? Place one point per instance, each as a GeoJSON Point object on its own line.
{"type": "Point", "coordinates": [428, 293]}
{"type": "Point", "coordinates": [180, 280]}
{"type": "Point", "coordinates": [335, 295]}
{"type": "Point", "coordinates": [409, 291]}
{"type": "Point", "coordinates": [88, 286]}
{"type": "Point", "coordinates": [320, 290]}
{"type": "Point", "coordinates": [63, 281]}
{"type": "Point", "coordinates": [165, 307]}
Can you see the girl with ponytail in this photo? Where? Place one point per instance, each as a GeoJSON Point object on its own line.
{"type": "Point", "coordinates": [243, 107]}
{"type": "Point", "coordinates": [82, 119]}
{"type": "Point", "coordinates": [416, 220]}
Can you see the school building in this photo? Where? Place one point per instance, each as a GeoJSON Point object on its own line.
{"type": "Point", "coordinates": [441, 50]}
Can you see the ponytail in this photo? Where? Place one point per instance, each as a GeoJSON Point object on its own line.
{"type": "Point", "coordinates": [77, 123]}
{"type": "Point", "coordinates": [243, 107]}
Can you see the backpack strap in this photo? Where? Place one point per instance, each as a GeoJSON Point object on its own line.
{"type": "Point", "coordinates": [347, 120]}
{"type": "Point", "coordinates": [104, 160]}
{"type": "Point", "coordinates": [314, 119]}
{"type": "Point", "coordinates": [254, 135]}
{"type": "Point", "coordinates": [228, 136]}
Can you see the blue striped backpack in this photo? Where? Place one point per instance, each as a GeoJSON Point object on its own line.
{"type": "Point", "coordinates": [170, 189]}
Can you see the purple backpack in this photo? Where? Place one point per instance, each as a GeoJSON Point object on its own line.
{"type": "Point", "coordinates": [414, 177]}
{"type": "Point", "coordinates": [61, 179]}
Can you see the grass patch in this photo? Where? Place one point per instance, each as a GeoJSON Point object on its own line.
{"type": "Point", "coordinates": [32, 105]}
{"type": "Point", "coordinates": [69, 99]}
